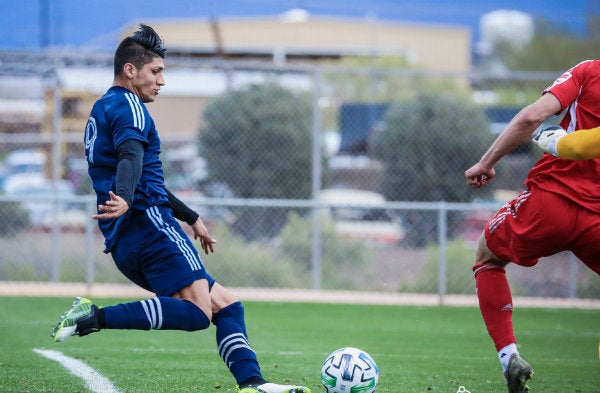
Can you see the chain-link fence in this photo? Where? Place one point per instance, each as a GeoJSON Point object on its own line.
{"type": "Point", "coordinates": [309, 177]}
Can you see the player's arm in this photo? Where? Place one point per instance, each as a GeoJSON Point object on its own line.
{"type": "Point", "coordinates": [518, 131]}
{"type": "Point", "coordinates": [129, 168]}
{"type": "Point", "coordinates": [130, 154]}
{"type": "Point", "coordinates": [182, 212]}
{"type": "Point", "coordinates": [579, 145]}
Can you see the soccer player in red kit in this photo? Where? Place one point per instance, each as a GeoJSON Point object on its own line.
{"type": "Point", "coordinates": [559, 211]}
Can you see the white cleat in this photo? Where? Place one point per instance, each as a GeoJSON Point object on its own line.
{"type": "Point", "coordinates": [269, 387]}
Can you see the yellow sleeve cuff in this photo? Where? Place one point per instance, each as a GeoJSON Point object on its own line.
{"type": "Point", "coordinates": [580, 145]}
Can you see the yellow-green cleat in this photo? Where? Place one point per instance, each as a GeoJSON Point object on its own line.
{"type": "Point", "coordinates": [81, 319]}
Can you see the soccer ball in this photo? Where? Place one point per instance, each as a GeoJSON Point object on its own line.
{"type": "Point", "coordinates": [349, 370]}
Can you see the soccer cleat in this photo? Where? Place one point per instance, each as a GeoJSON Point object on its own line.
{"type": "Point", "coordinates": [81, 319]}
{"type": "Point", "coordinates": [269, 387]}
{"type": "Point", "coordinates": [517, 373]}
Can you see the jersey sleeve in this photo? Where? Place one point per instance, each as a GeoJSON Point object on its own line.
{"type": "Point", "coordinates": [580, 145]}
{"type": "Point", "coordinates": [129, 121]}
{"type": "Point", "coordinates": [567, 87]}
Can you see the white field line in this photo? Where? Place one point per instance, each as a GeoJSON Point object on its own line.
{"type": "Point", "coordinates": [95, 382]}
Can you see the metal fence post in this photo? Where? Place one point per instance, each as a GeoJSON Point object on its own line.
{"type": "Point", "coordinates": [316, 181]}
{"type": "Point", "coordinates": [90, 208]}
{"type": "Point", "coordinates": [572, 275]}
{"type": "Point", "coordinates": [442, 248]}
{"type": "Point", "coordinates": [56, 165]}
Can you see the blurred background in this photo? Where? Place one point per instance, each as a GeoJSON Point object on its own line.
{"type": "Point", "coordinates": [324, 145]}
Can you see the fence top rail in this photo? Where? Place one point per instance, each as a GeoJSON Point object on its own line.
{"type": "Point", "coordinates": [278, 203]}
{"type": "Point", "coordinates": [312, 203]}
{"type": "Point", "coordinates": [44, 62]}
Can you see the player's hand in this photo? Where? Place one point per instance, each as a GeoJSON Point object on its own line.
{"type": "Point", "coordinates": [207, 242]}
{"type": "Point", "coordinates": [478, 176]}
{"type": "Point", "coordinates": [115, 207]}
{"type": "Point", "coordinates": [548, 138]}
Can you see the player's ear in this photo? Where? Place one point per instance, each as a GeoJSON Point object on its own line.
{"type": "Point", "coordinates": [129, 70]}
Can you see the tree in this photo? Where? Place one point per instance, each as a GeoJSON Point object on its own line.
{"type": "Point", "coordinates": [425, 146]}
{"type": "Point", "coordinates": [257, 141]}
{"type": "Point", "coordinates": [552, 49]}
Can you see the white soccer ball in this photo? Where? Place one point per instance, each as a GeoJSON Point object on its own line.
{"type": "Point", "coordinates": [349, 370]}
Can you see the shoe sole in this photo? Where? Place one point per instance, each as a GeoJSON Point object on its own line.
{"type": "Point", "coordinates": [270, 388]}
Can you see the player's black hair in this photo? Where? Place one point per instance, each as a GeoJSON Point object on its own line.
{"type": "Point", "coordinates": [139, 49]}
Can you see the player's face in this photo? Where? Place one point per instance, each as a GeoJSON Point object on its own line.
{"type": "Point", "coordinates": [148, 80]}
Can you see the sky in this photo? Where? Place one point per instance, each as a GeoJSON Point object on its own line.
{"type": "Point", "coordinates": [36, 24]}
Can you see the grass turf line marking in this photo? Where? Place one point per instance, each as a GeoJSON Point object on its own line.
{"type": "Point", "coordinates": [92, 378]}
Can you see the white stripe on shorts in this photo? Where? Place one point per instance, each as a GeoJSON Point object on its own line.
{"type": "Point", "coordinates": [190, 254]}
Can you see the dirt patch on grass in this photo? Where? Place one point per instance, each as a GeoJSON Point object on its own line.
{"type": "Point", "coordinates": [8, 288]}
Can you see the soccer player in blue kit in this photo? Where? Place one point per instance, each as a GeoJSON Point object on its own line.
{"type": "Point", "coordinates": [138, 217]}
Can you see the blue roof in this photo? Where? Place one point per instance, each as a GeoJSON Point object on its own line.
{"type": "Point", "coordinates": [32, 24]}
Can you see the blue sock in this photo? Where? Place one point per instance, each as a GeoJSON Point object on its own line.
{"type": "Point", "coordinates": [164, 313]}
{"type": "Point", "coordinates": [233, 344]}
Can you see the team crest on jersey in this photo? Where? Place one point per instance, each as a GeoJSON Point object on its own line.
{"type": "Point", "coordinates": [566, 76]}
{"type": "Point", "coordinates": [91, 132]}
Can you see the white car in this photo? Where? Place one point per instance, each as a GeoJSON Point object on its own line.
{"type": "Point", "coordinates": [37, 197]}
{"type": "Point", "coordinates": [361, 215]}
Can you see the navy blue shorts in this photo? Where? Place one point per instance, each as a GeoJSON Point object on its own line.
{"type": "Point", "coordinates": [155, 253]}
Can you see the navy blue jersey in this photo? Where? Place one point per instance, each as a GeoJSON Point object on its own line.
{"type": "Point", "coordinates": [117, 117]}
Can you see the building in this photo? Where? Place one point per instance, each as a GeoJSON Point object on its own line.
{"type": "Point", "coordinates": [293, 39]}
{"type": "Point", "coordinates": [296, 36]}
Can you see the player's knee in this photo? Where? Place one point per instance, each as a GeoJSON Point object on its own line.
{"type": "Point", "coordinates": [483, 255]}
{"type": "Point", "coordinates": [199, 319]}
{"type": "Point", "coordinates": [206, 309]}
{"type": "Point", "coordinates": [482, 267]}
{"type": "Point", "coordinates": [234, 310]}
{"type": "Point", "coordinates": [482, 251]}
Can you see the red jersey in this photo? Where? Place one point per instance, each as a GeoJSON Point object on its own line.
{"type": "Point", "coordinates": [578, 89]}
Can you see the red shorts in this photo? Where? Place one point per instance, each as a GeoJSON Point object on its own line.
{"type": "Point", "coordinates": [539, 223]}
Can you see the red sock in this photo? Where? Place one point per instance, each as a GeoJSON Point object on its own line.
{"type": "Point", "coordinates": [495, 303]}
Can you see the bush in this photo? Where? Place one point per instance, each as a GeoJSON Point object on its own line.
{"type": "Point", "coordinates": [257, 140]}
{"type": "Point", "coordinates": [15, 219]}
{"type": "Point", "coordinates": [239, 263]}
{"type": "Point", "coordinates": [286, 262]}
{"type": "Point", "coordinates": [459, 261]}
{"type": "Point", "coordinates": [344, 263]}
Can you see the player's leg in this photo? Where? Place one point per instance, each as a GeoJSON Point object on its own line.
{"type": "Point", "coordinates": [494, 294]}
{"type": "Point", "coordinates": [235, 349]}
{"type": "Point", "coordinates": [524, 230]}
{"type": "Point", "coordinates": [161, 312]}
{"type": "Point", "coordinates": [495, 301]}
{"type": "Point", "coordinates": [232, 339]}
{"type": "Point", "coordinates": [587, 247]}
{"type": "Point", "coordinates": [158, 256]}
{"type": "Point", "coordinates": [495, 305]}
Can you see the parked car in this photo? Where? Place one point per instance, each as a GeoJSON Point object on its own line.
{"type": "Point", "coordinates": [25, 161]}
{"type": "Point", "coordinates": [360, 214]}
{"type": "Point", "coordinates": [22, 167]}
{"type": "Point", "coordinates": [36, 196]}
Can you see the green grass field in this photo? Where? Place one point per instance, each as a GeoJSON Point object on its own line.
{"type": "Point", "coordinates": [417, 349]}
